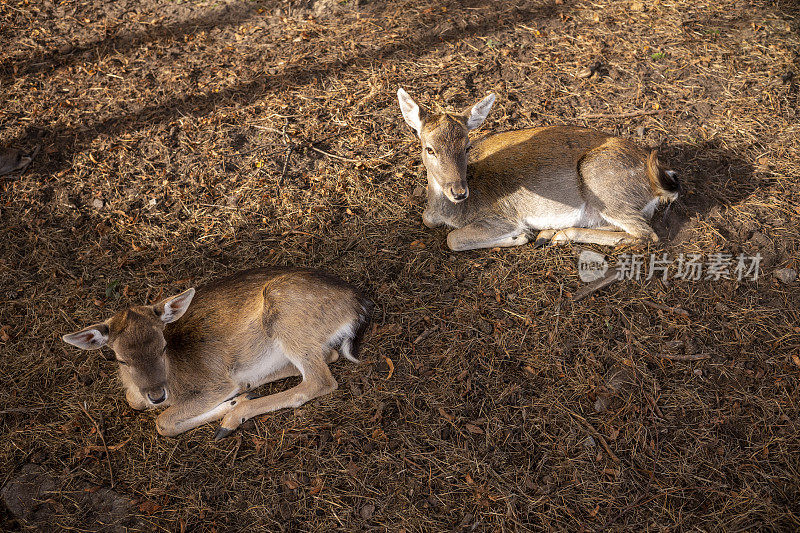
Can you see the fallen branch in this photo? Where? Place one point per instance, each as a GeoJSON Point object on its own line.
{"type": "Point", "coordinates": [599, 284]}
{"type": "Point", "coordinates": [334, 156]}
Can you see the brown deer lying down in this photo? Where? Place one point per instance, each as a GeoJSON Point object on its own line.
{"type": "Point", "coordinates": [566, 183]}
{"type": "Point", "coordinates": [200, 353]}
{"type": "Point", "coordinates": [12, 160]}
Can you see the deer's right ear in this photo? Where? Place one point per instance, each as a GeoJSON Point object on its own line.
{"type": "Point", "coordinates": [412, 113]}
{"type": "Point", "coordinates": [172, 309]}
{"type": "Point", "coordinates": [90, 338]}
{"type": "Point", "coordinates": [478, 113]}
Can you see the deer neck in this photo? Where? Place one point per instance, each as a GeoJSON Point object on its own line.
{"type": "Point", "coordinates": [442, 210]}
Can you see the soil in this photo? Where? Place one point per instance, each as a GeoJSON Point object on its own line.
{"type": "Point", "coordinates": [179, 142]}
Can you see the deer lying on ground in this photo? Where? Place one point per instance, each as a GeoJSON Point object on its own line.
{"type": "Point", "coordinates": [201, 353]}
{"type": "Point", "coordinates": [566, 183]}
{"type": "Point", "coordinates": [12, 160]}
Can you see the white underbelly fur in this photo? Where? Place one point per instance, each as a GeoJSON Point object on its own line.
{"type": "Point", "coordinates": [579, 218]}
{"type": "Point", "coordinates": [576, 218]}
{"type": "Point", "coordinates": [270, 361]}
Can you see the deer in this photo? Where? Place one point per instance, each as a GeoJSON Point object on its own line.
{"type": "Point", "coordinates": [12, 160]}
{"type": "Point", "coordinates": [201, 353]}
{"type": "Point", "coordinates": [561, 183]}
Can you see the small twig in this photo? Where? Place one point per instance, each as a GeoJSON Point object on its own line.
{"type": "Point", "coordinates": [622, 115]}
{"type": "Point", "coordinates": [289, 150]}
{"type": "Point", "coordinates": [596, 434]}
{"type": "Point", "coordinates": [610, 278]}
{"type": "Point", "coordinates": [334, 156]}
{"type": "Point", "coordinates": [425, 334]}
{"type": "Point", "coordinates": [103, 439]}
{"type": "Point", "coordinates": [668, 309]}
{"type": "Point", "coordinates": [678, 357]}
{"type": "Point", "coordinates": [654, 406]}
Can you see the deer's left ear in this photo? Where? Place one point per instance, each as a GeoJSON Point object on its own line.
{"type": "Point", "coordinates": [478, 113]}
{"type": "Point", "coordinates": [90, 338]}
{"type": "Point", "coordinates": [173, 308]}
{"type": "Point", "coordinates": [413, 114]}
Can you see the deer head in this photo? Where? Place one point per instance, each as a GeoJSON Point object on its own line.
{"type": "Point", "coordinates": [445, 141]}
{"type": "Point", "coordinates": [137, 337]}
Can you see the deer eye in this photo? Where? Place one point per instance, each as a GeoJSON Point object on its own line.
{"type": "Point", "coordinates": [429, 150]}
{"type": "Point", "coordinates": [123, 363]}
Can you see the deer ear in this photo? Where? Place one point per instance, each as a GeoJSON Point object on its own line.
{"type": "Point", "coordinates": [413, 114]}
{"type": "Point", "coordinates": [90, 338]}
{"type": "Point", "coordinates": [173, 308]}
{"type": "Point", "coordinates": [478, 113]}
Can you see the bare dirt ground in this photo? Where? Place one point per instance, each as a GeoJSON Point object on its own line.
{"type": "Point", "coordinates": [182, 141]}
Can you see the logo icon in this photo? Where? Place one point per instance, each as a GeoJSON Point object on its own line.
{"type": "Point", "coordinates": [591, 266]}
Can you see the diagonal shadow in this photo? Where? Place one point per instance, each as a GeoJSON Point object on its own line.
{"type": "Point", "coordinates": [127, 40]}
{"type": "Point", "coordinates": [76, 138]}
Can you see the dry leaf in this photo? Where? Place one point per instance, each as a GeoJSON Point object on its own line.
{"type": "Point", "coordinates": [390, 364]}
{"type": "Point", "coordinates": [473, 429]}
{"type": "Point", "coordinates": [316, 486]}
{"type": "Point", "coordinates": [290, 482]}
{"type": "Point", "coordinates": [352, 468]}
{"type": "Point", "coordinates": [444, 413]}
{"type": "Point", "coordinates": [149, 507]}
{"type": "Point", "coordinates": [390, 330]}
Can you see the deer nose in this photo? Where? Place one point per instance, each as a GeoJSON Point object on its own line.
{"type": "Point", "coordinates": [157, 397]}
{"type": "Point", "coordinates": [459, 195]}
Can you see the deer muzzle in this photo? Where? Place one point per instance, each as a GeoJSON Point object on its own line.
{"type": "Point", "coordinates": [155, 395]}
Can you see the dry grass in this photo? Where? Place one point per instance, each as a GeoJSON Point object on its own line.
{"type": "Point", "coordinates": [164, 132]}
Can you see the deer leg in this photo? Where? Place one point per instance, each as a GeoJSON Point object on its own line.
{"type": "Point", "coordinates": [486, 233]}
{"type": "Point", "coordinates": [135, 399]}
{"type": "Point", "coordinates": [603, 237]}
{"type": "Point", "coordinates": [198, 410]}
{"type": "Point", "coordinates": [633, 224]}
{"type": "Point", "coordinates": [630, 231]}
{"type": "Point", "coordinates": [430, 219]}
{"type": "Point", "coordinates": [206, 408]}
{"type": "Point", "coordinates": [317, 381]}
{"type": "Point", "coordinates": [332, 356]}
{"type": "Point", "coordinates": [544, 237]}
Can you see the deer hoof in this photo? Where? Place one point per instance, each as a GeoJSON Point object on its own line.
{"type": "Point", "coordinates": [221, 433]}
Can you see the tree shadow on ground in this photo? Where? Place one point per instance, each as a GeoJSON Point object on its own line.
{"type": "Point", "coordinates": [124, 41]}
{"type": "Point", "coordinates": [418, 39]}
